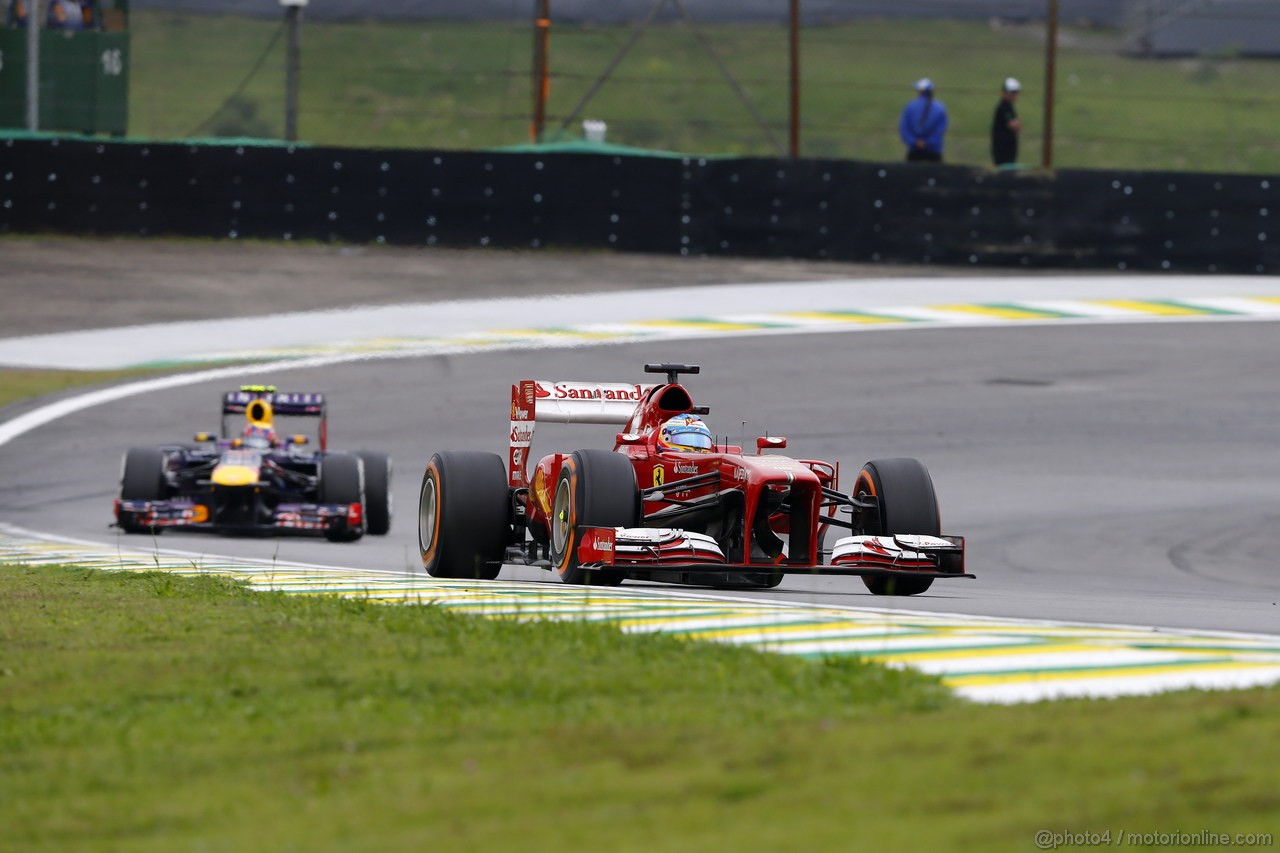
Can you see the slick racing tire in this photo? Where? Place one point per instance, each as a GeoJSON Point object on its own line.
{"type": "Point", "coordinates": [596, 488]}
{"type": "Point", "coordinates": [342, 482]}
{"type": "Point", "coordinates": [907, 505]}
{"type": "Point", "coordinates": [377, 492]}
{"type": "Point", "coordinates": [464, 522]}
{"type": "Point", "coordinates": [142, 479]}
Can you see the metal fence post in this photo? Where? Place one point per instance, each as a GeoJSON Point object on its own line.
{"type": "Point", "coordinates": [292, 68]}
{"type": "Point", "coordinates": [33, 65]}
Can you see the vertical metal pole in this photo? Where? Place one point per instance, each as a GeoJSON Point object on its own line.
{"type": "Point", "coordinates": [541, 64]}
{"type": "Point", "coordinates": [292, 69]}
{"type": "Point", "coordinates": [33, 65]}
{"type": "Point", "coordinates": [795, 78]}
{"type": "Point", "coordinates": [1050, 72]}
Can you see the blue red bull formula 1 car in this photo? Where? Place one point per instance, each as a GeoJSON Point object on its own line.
{"type": "Point", "coordinates": [257, 481]}
{"type": "Point", "coordinates": [673, 503]}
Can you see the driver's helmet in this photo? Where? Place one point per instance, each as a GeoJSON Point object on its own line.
{"type": "Point", "coordinates": [685, 432]}
{"type": "Point", "coordinates": [259, 437]}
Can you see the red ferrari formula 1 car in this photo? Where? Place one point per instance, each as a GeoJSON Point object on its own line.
{"type": "Point", "coordinates": [674, 504]}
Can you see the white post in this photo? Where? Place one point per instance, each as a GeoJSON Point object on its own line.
{"type": "Point", "coordinates": [33, 65]}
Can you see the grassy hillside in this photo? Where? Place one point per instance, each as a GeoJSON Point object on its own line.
{"type": "Point", "coordinates": [463, 85]}
{"type": "Point", "coordinates": [153, 712]}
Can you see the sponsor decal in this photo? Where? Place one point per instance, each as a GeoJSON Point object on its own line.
{"type": "Point", "coordinates": [781, 463]}
{"type": "Point", "coordinates": [659, 475]}
{"type": "Point", "coordinates": [539, 391]}
{"type": "Point", "coordinates": [568, 391]}
{"type": "Point", "coordinates": [597, 546]}
{"type": "Point", "coordinates": [739, 474]}
{"type": "Point", "coordinates": [648, 535]}
{"type": "Point", "coordinates": [540, 490]}
{"type": "Point", "coordinates": [522, 402]}
{"type": "Point", "coordinates": [517, 476]}
{"type": "Point", "coordinates": [875, 547]}
{"type": "Point", "coordinates": [521, 435]}
{"type": "Point", "coordinates": [686, 468]}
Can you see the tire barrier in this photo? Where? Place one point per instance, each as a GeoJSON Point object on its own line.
{"type": "Point", "coordinates": [761, 207]}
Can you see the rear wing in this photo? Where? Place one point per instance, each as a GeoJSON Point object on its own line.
{"type": "Point", "coordinates": [534, 400]}
{"type": "Point", "coordinates": [291, 404]}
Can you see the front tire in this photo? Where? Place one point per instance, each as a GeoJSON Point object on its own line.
{"type": "Point", "coordinates": [596, 488]}
{"type": "Point", "coordinates": [377, 492]}
{"type": "Point", "coordinates": [907, 505]}
{"type": "Point", "coordinates": [342, 482]}
{"type": "Point", "coordinates": [142, 479]}
{"type": "Point", "coordinates": [463, 516]}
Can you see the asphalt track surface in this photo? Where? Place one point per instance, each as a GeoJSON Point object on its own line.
{"type": "Point", "coordinates": [1115, 473]}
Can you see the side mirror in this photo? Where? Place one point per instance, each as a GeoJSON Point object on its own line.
{"type": "Point", "coordinates": [630, 438]}
{"type": "Point", "coordinates": [772, 442]}
{"type": "Point", "coordinates": [205, 437]}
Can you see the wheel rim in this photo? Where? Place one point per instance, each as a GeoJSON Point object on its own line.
{"type": "Point", "coordinates": [427, 514]}
{"type": "Point", "coordinates": [561, 529]}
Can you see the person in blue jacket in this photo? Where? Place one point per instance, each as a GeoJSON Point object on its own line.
{"type": "Point", "coordinates": [923, 125]}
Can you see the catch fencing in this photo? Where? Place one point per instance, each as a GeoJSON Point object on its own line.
{"type": "Point", "coordinates": [700, 78]}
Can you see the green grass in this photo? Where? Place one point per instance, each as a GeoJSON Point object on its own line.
{"type": "Point", "coordinates": [466, 85]}
{"type": "Point", "coordinates": [18, 384]}
{"type": "Point", "coordinates": [153, 712]}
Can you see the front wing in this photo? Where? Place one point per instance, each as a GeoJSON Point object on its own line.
{"type": "Point", "coordinates": [660, 550]}
{"type": "Point", "coordinates": [186, 513]}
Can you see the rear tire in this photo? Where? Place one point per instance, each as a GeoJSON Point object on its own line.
{"type": "Point", "coordinates": [907, 505]}
{"type": "Point", "coordinates": [596, 488]}
{"type": "Point", "coordinates": [377, 492]}
{"type": "Point", "coordinates": [342, 482]}
{"type": "Point", "coordinates": [463, 515]}
{"type": "Point", "coordinates": [142, 479]}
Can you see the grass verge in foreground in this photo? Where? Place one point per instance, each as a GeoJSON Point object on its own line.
{"type": "Point", "coordinates": [156, 712]}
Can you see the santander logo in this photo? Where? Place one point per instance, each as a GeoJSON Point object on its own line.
{"type": "Point", "coordinates": [566, 391]}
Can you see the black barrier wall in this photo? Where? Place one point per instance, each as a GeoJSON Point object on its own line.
{"type": "Point", "coordinates": [835, 209]}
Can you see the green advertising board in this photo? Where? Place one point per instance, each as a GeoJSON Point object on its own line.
{"type": "Point", "coordinates": [84, 80]}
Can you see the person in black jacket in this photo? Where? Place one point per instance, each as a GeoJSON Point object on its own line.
{"type": "Point", "coordinates": [1006, 126]}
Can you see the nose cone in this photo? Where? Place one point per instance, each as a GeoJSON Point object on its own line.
{"type": "Point", "coordinates": [234, 475]}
